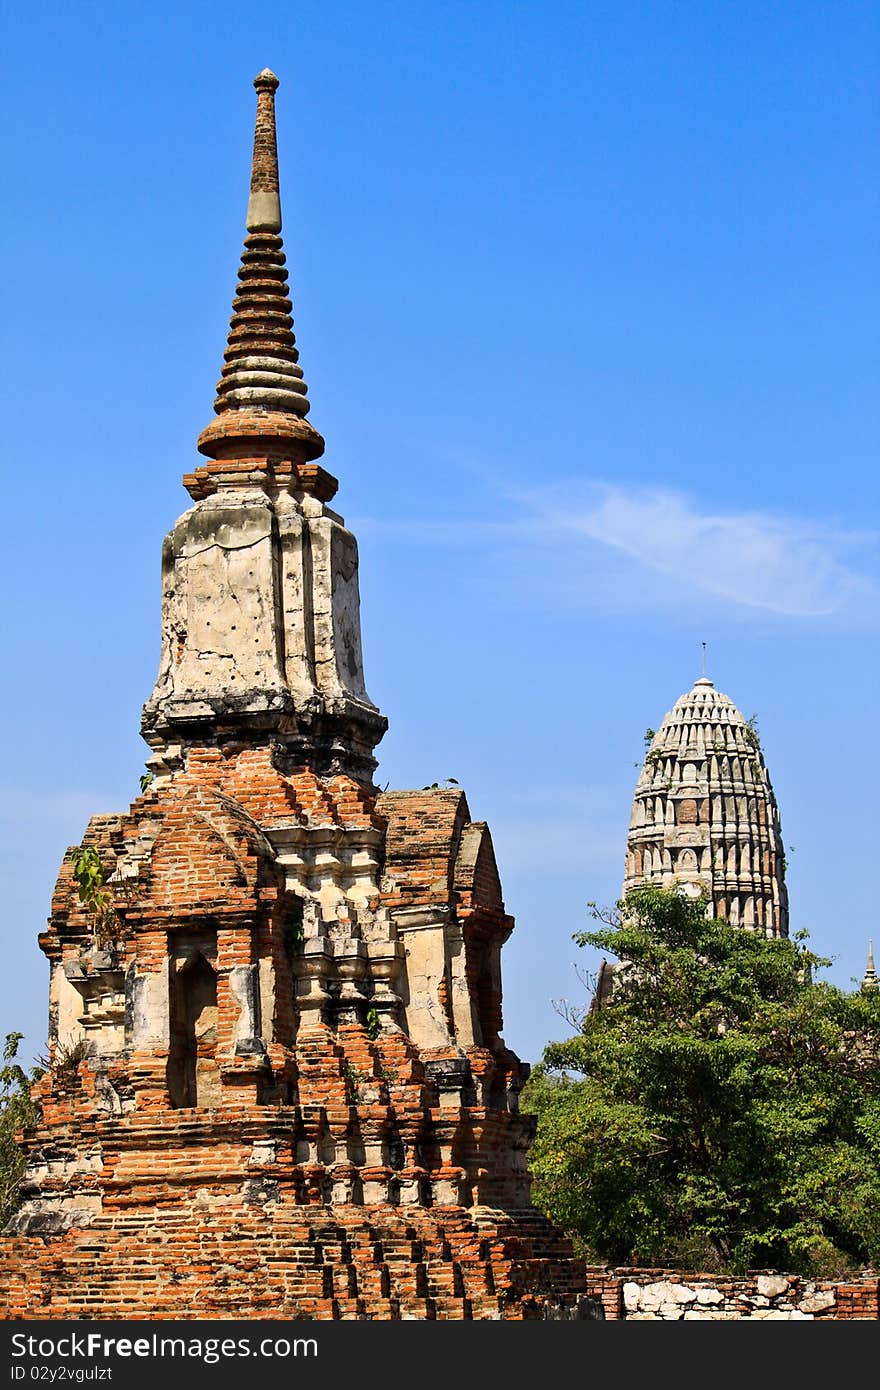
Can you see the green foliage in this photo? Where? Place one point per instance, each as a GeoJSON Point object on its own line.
{"type": "Point", "coordinates": [354, 1079]}
{"type": "Point", "coordinates": [90, 876]}
{"type": "Point", "coordinates": [372, 1022]}
{"type": "Point", "coordinates": [88, 872]}
{"type": "Point", "coordinates": [648, 737]}
{"type": "Point", "coordinates": [721, 1110]}
{"type": "Point", "coordinates": [16, 1112]}
{"type": "Point", "coordinates": [66, 1058]}
{"type": "Point", "coordinates": [294, 933]}
{"type": "Point", "coordinates": [752, 735]}
{"type": "Point", "coordinates": [145, 780]}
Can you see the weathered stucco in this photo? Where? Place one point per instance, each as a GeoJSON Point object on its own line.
{"type": "Point", "coordinates": [260, 617]}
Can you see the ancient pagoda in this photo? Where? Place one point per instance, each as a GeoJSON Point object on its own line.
{"type": "Point", "coordinates": [704, 814]}
{"type": "Point", "coordinates": [278, 1085]}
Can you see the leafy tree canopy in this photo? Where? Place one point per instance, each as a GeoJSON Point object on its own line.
{"type": "Point", "coordinates": [16, 1112]}
{"type": "Point", "coordinates": [721, 1110]}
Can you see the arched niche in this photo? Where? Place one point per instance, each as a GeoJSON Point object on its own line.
{"type": "Point", "coordinates": [193, 1074]}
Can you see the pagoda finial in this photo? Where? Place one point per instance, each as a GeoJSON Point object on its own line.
{"type": "Point", "coordinates": [261, 401]}
{"type": "Point", "coordinates": [704, 680]}
{"type": "Point", "coordinates": [264, 205]}
{"type": "Point", "coordinates": [870, 980]}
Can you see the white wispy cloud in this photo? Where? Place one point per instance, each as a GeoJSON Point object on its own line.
{"type": "Point", "coordinates": [779, 564]}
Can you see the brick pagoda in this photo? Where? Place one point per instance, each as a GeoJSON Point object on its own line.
{"type": "Point", "coordinates": [278, 1086]}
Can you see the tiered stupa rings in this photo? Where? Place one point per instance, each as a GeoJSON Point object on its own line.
{"type": "Point", "coordinates": [262, 399]}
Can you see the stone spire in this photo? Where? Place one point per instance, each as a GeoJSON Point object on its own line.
{"type": "Point", "coordinates": [260, 606]}
{"type": "Point", "coordinates": [704, 813]}
{"type": "Point", "coordinates": [870, 978]}
{"type": "Point", "coordinates": [262, 398]}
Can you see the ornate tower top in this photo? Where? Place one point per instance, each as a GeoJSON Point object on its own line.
{"type": "Point", "coordinates": [261, 637]}
{"type": "Point", "coordinates": [262, 398]}
{"type": "Point", "coordinates": [870, 978]}
{"type": "Point", "coordinates": [705, 816]}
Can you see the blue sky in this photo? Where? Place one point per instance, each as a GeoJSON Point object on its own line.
{"type": "Point", "coordinates": [587, 300]}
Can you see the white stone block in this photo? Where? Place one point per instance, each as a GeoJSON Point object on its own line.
{"type": "Point", "coordinates": [772, 1285]}
{"type": "Point", "coordinates": [631, 1296]}
{"type": "Point", "coordinates": [709, 1297]}
{"type": "Point", "coordinates": [815, 1303]}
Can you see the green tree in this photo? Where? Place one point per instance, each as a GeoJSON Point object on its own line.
{"type": "Point", "coordinates": [16, 1111]}
{"type": "Point", "coordinates": [722, 1108]}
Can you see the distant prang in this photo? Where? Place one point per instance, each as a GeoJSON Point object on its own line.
{"type": "Point", "coordinates": [705, 817]}
{"type": "Point", "coordinates": [278, 1085]}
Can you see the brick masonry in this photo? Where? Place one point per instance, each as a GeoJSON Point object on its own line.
{"type": "Point", "coordinates": [363, 1174]}
{"type": "Point", "coordinates": [278, 1084]}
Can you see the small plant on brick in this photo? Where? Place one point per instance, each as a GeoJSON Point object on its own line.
{"type": "Point", "coordinates": [90, 876]}
{"type": "Point", "coordinates": [648, 738]}
{"type": "Point", "coordinates": [354, 1079]}
{"type": "Point", "coordinates": [750, 732]}
{"type": "Point", "coordinates": [145, 780]}
{"type": "Point", "coordinates": [372, 1022]}
{"type": "Point", "coordinates": [438, 786]}
{"type": "Point", "coordinates": [66, 1059]}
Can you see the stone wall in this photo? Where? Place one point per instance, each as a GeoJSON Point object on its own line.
{"type": "Point", "coordinates": [665, 1295]}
